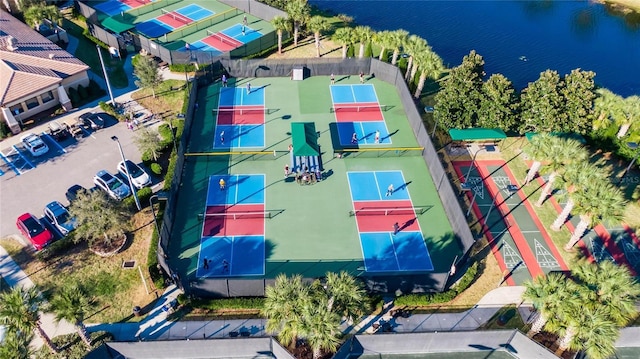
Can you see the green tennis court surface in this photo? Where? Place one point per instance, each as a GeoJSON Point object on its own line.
{"type": "Point", "coordinates": [313, 231]}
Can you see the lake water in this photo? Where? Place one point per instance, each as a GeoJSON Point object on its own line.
{"type": "Point", "coordinates": [519, 39]}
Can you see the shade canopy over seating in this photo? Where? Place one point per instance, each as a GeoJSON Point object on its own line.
{"type": "Point", "coordinates": [477, 134]}
{"type": "Point", "coordinates": [304, 139]}
{"type": "Point", "coordinates": [117, 24]}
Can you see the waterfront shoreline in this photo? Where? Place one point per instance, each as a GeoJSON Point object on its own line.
{"type": "Point", "coordinates": [623, 5]}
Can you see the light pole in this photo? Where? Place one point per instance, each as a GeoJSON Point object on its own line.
{"type": "Point", "coordinates": [633, 146]}
{"type": "Point", "coordinates": [126, 170]}
{"type": "Point", "coordinates": [106, 77]}
{"type": "Point", "coordinates": [153, 212]}
{"type": "Point", "coordinates": [473, 160]}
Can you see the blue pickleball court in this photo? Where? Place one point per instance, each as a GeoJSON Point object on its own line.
{"type": "Point", "coordinates": [372, 185]}
{"type": "Point", "coordinates": [386, 252]}
{"type": "Point", "coordinates": [112, 7]}
{"type": "Point", "coordinates": [365, 93]}
{"type": "Point", "coordinates": [240, 189]}
{"type": "Point", "coordinates": [238, 96]}
{"type": "Point", "coordinates": [231, 256]}
{"type": "Point", "coordinates": [201, 46]}
{"type": "Point", "coordinates": [235, 32]}
{"type": "Point", "coordinates": [154, 28]}
{"type": "Point", "coordinates": [365, 131]}
{"type": "Point", "coordinates": [194, 12]}
{"type": "Point", "coordinates": [239, 136]}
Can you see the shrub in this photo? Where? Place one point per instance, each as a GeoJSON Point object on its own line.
{"type": "Point", "coordinates": [368, 50]}
{"type": "Point", "coordinates": [144, 194]}
{"type": "Point", "coordinates": [82, 91]}
{"type": "Point", "coordinates": [147, 158]}
{"type": "Point", "coordinates": [182, 67]}
{"type": "Point", "coordinates": [4, 130]}
{"type": "Point", "coordinates": [156, 274]}
{"type": "Point", "coordinates": [95, 90]}
{"type": "Point", "coordinates": [165, 133]}
{"type": "Point", "coordinates": [229, 303]}
{"type": "Point", "coordinates": [56, 248]}
{"type": "Point", "coordinates": [109, 108]}
{"type": "Point", "coordinates": [156, 168]}
{"type": "Point", "coordinates": [73, 96]}
{"type": "Point", "coordinates": [168, 177]}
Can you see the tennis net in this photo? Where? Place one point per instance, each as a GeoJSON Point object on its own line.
{"type": "Point", "coordinates": [357, 108]}
{"type": "Point", "coordinates": [183, 19]}
{"type": "Point", "coordinates": [222, 38]}
{"type": "Point", "coordinates": [242, 111]}
{"type": "Point", "coordinates": [239, 215]}
{"type": "Point", "coordinates": [379, 152]}
{"type": "Point", "coordinates": [390, 211]}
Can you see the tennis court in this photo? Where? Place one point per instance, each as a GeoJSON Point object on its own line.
{"type": "Point", "coordinates": [115, 7]}
{"type": "Point", "coordinates": [233, 229]}
{"type": "Point", "coordinates": [332, 225]}
{"type": "Point", "coordinates": [359, 115]}
{"type": "Point", "coordinates": [240, 118]}
{"type": "Point", "coordinates": [168, 21]}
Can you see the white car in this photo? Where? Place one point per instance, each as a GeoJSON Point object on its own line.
{"type": "Point", "coordinates": [139, 177]}
{"type": "Point", "coordinates": [112, 185]}
{"type": "Point", "coordinates": [34, 144]}
{"type": "Point", "coordinates": [59, 216]}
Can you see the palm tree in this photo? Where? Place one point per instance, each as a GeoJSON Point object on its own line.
{"type": "Point", "coordinates": [346, 295]}
{"type": "Point", "coordinates": [538, 150]}
{"type": "Point", "coordinates": [588, 329]}
{"type": "Point", "coordinates": [344, 36]}
{"type": "Point", "coordinates": [561, 153]}
{"type": "Point", "coordinates": [602, 202]}
{"type": "Point", "coordinates": [383, 39]}
{"type": "Point", "coordinates": [36, 13]}
{"type": "Point", "coordinates": [20, 312]}
{"type": "Point", "coordinates": [71, 304]}
{"type": "Point", "coordinates": [414, 46]}
{"type": "Point", "coordinates": [15, 345]}
{"type": "Point", "coordinates": [298, 11]}
{"type": "Point", "coordinates": [398, 40]}
{"type": "Point", "coordinates": [99, 217]}
{"type": "Point", "coordinates": [547, 295]}
{"type": "Point", "coordinates": [319, 24]}
{"type": "Point", "coordinates": [431, 66]}
{"type": "Point", "coordinates": [283, 308]}
{"type": "Point", "coordinates": [281, 25]}
{"type": "Point", "coordinates": [320, 326]}
{"type": "Point", "coordinates": [576, 178]}
{"type": "Point", "coordinates": [606, 105]}
{"type": "Point", "coordinates": [363, 34]}
{"type": "Point", "coordinates": [631, 111]}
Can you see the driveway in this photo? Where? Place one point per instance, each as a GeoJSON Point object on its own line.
{"type": "Point", "coordinates": [67, 163]}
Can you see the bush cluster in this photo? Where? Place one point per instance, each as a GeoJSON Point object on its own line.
{"type": "Point", "coordinates": [420, 300]}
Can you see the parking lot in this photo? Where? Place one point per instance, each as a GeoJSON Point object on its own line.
{"type": "Point", "coordinates": [28, 183]}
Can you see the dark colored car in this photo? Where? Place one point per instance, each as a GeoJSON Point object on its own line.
{"type": "Point", "coordinates": [91, 120]}
{"type": "Point", "coordinates": [34, 231]}
{"type": "Point", "coordinates": [72, 192]}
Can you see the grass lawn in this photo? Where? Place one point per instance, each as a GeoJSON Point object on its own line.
{"type": "Point", "coordinates": [170, 96]}
{"type": "Point", "coordinates": [116, 290]}
{"type": "Point", "coordinates": [87, 53]}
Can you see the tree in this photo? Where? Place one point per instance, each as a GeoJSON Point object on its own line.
{"type": "Point", "coordinates": [344, 36]}
{"type": "Point", "coordinates": [601, 202]}
{"type": "Point", "coordinates": [562, 152]}
{"type": "Point", "coordinates": [98, 217]}
{"type": "Point", "coordinates": [431, 66]}
{"type": "Point", "coordinates": [542, 105]}
{"type": "Point", "coordinates": [577, 177]}
{"type": "Point", "coordinates": [538, 150]}
{"type": "Point", "coordinates": [280, 24]}
{"type": "Point", "coordinates": [283, 308]}
{"type": "Point", "coordinates": [148, 140]}
{"type": "Point", "coordinates": [346, 295]}
{"type": "Point", "coordinates": [298, 11]}
{"type": "Point", "coordinates": [384, 40]}
{"type": "Point", "coordinates": [318, 24]}
{"type": "Point", "coordinates": [15, 345]}
{"type": "Point", "coordinates": [630, 114]}
{"type": "Point", "coordinates": [320, 326]}
{"type": "Point", "coordinates": [70, 303]}
{"type": "Point", "coordinates": [498, 103]}
{"type": "Point", "coordinates": [589, 329]}
{"type": "Point", "coordinates": [607, 107]}
{"type": "Point", "coordinates": [363, 35]}
{"type": "Point", "coordinates": [547, 294]}
{"type": "Point", "coordinates": [398, 39]}
{"type": "Point", "coordinates": [346, 19]}
{"type": "Point", "coordinates": [415, 46]}
{"type": "Point", "coordinates": [35, 13]}
{"type": "Point", "coordinates": [146, 70]}
{"type": "Point", "coordinates": [20, 313]}
{"type": "Point", "coordinates": [579, 94]}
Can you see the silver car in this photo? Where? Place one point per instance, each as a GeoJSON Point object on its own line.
{"type": "Point", "coordinates": [139, 177]}
{"type": "Point", "coordinates": [112, 185]}
{"type": "Point", "coordinates": [57, 214]}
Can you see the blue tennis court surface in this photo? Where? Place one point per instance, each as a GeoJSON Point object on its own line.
{"type": "Point", "coordinates": [241, 189]}
{"type": "Point", "coordinates": [201, 46]}
{"type": "Point", "coordinates": [238, 96]}
{"type": "Point", "coordinates": [112, 7]}
{"type": "Point", "coordinates": [386, 252]}
{"type": "Point", "coordinates": [239, 136]}
{"type": "Point", "coordinates": [231, 256]}
{"type": "Point", "coordinates": [353, 93]}
{"type": "Point", "coordinates": [235, 32]}
{"type": "Point", "coordinates": [154, 28]}
{"type": "Point", "coordinates": [194, 12]}
{"type": "Point", "coordinates": [366, 132]}
{"type": "Point", "coordinates": [372, 186]}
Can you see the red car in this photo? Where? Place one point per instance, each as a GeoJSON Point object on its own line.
{"type": "Point", "coordinates": [31, 228]}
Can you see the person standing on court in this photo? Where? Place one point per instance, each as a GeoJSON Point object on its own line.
{"type": "Point", "coordinates": [248, 88]}
{"type": "Point", "coordinates": [376, 138]}
{"type": "Point", "coordinates": [354, 139]}
{"type": "Point", "coordinates": [286, 171]}
{"type": "Point", "coordinates": [224, 80]}
{"type": "Point", "coordinates": [222, 137]}
{"type": "Point", "coordinates": [225, 266]}
{"type": "Point", "coordinates": [396, 228]}
{"type": "Point", "coordinates": [222, 184]}
{"type": "Point", "coordinates": [390, 190]}
{"type": "Point", "coordinates": [244, 20]}
{"type": "Point", "coordinates": [243, 30]}
{"type": "Point", "coordinates": [333, 79]}
{"type": "Point", "coordinates": [361, 77]}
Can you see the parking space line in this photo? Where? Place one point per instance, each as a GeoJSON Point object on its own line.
{"type": "Point", "coordinates": [51, 139]}
{"type": "Point", "coordinates": [23, 157]}
{"type": "Point", "coordinates": [6, 160]}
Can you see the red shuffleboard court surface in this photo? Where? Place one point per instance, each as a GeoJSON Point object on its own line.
{"type": "Point", "coordinates": [235, 220]}
{"type": "Point", "coordinates": [379, 216]}
{"type": "Point", "coordinates": [240, 115]}
{"type": "Point", "coordinates": [222, 42]}
{"type": "Point", "coordinates": [358, 112]}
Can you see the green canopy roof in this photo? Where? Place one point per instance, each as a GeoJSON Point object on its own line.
{"type": "Point", "coordinates": [477, 134]}
{"type": "Point", "coordinates": [117, 24]}
{"type": "Point", "coordinates": [566, 135]}
{"type": "Point", "coordinates": [305, 139]}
